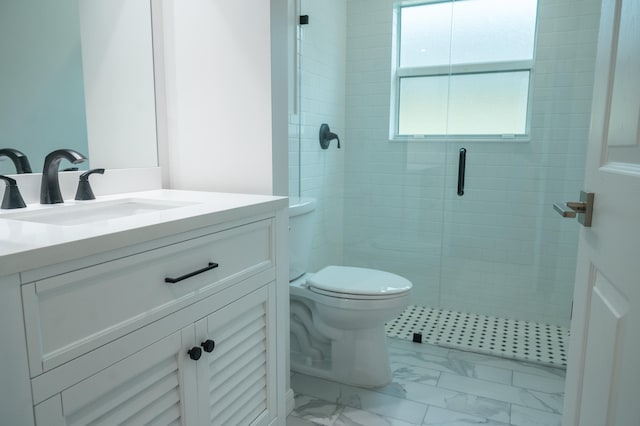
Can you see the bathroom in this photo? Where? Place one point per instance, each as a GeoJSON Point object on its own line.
{"type": "Point", "coordinates": [369, 186]}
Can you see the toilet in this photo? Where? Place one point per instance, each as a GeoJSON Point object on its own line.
{"type": "Point", "coordinates": [338, 313]}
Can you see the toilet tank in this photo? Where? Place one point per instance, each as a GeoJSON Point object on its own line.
{"type": "Point", "coordinates": [300, 230]}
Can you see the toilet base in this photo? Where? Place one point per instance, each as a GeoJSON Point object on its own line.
{"type": "Point", "coordinates": [358, 357]}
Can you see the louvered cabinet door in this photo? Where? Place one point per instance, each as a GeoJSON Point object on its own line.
{"type": "Point", "coordinates": [236, 380]}
{"type": "Point", "coordinates": [151, 387]}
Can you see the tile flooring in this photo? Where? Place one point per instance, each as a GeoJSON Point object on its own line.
{"type": "Point", "coordinates": [436, 386]}
{"type": "Point", "coordinates": [525, 340]}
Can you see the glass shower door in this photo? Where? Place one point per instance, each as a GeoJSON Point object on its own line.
{"type": "Point", "coordinates": [506, 255]}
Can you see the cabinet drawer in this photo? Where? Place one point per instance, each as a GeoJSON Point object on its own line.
{"type": "Point", "coordinates": [73, 313]}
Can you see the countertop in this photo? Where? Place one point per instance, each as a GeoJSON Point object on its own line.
{"type": "Point", "coordinates": [26, 245]}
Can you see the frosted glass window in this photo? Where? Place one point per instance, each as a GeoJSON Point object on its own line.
{"type": "Point", "coordinates": [468, 104]}
{"type": "Point", "coordinates": [463, 67]}
{"type": "Point", "coordinates": [423, 105]}
{"type": "Point", "coordinates": [425, 35]}
{"type": "Point", "coordinates": [493, 30]}
{"type": "Point", "coordinates": [467, 31]}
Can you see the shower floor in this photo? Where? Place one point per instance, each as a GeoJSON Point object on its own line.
{"type": "Point", "coordinates": [521, 340]}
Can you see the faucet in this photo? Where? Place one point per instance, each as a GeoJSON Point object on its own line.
{"type": "Point", "coordinates": [84, 191]}
{"type": "Point", "coordinates": [327, 136]}
{"type": "Point", "coordinates": [50, 187]}
{"type": "Point", "coordinates": [20, 161]}
{"type": "Point", "coordinates": [12, 198]}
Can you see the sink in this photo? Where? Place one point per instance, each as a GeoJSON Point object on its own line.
{"type": "Point", "coordinates": [93, 211]}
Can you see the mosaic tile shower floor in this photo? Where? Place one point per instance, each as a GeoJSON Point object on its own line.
{"type": "Point", "coordinates": [521, 340]}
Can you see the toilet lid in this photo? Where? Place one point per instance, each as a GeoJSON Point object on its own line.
{"type": "Point", "coordinates": [360, 281]}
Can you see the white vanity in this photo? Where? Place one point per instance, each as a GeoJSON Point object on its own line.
{"type": "Point", "coordinates": [171, 309]}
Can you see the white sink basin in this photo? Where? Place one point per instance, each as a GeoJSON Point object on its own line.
{"type": "Point", "coordinates": [90, 212]}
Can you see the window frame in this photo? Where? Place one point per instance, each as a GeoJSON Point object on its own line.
{"type": "Point", "coordinates": [398, 73]}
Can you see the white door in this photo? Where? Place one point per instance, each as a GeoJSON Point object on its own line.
{"type": "Point", "coordinates": [603, 377]}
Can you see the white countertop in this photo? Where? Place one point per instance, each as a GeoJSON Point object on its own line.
{"type": "Point", "coordinates": [26, 245]}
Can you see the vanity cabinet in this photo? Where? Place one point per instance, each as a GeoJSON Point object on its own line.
{"type": "Point", "coordinates": [181, 379]}
{"type": "Point", "coordinates": [178, 330]}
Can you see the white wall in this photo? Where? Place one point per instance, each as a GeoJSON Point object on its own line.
{"type": "Point", "coordinates": [283, 30]}
{"type": "Point", "coordinates": [217, 94]}
{"type": "Point", "coordinates": [504, 251]}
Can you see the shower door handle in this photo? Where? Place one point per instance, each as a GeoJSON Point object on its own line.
{"type": "Point", "coordinates": [462, 160]}
{"type": "Point", "coordinates": [582, 209]}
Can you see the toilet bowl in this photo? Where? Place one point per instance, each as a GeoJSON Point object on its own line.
{"type": "Point", "coordinates": [338, 314]}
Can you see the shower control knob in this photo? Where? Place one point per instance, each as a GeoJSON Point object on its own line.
{"type": "Point", "coordinates": [208, 345]}
{"type": "Point", "coordinates": [195, 353]}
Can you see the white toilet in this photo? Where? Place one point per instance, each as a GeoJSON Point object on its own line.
{"type": "Point", "coordinates": [338, 314]}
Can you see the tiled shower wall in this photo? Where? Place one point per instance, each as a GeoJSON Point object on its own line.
{"type": "Point", "coordinates": [322, 60]}
{"type": "Point", "coordinates": [498, 250]}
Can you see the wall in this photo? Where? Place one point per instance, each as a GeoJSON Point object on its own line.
{"type": "Point", "coordinates": [216, 96]}
{"type": "Point", "coordinates": [322, 68]}
{"type": "Point", "coordinates": [504, 251]}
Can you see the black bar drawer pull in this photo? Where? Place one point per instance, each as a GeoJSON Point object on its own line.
{"type": "Point", "coordinates": [209, 267]}
{"type": "Point", "coordinates": [462, 159]}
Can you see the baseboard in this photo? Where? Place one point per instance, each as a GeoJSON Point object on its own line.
{"type": "Point", "coordinates": [290, 401]}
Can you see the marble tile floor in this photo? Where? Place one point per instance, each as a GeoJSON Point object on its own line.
{"type": "Point", "coordinates": [436, 386]}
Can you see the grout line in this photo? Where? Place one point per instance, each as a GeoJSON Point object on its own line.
{"type": "Point", "coordinates": [425, 414]}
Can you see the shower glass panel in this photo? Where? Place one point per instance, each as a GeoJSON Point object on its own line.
{"type": "Point", "coordinates": [295, 112]}
{"type": "Point", "coordinates": [393, 208]}
{"type": "Point", "coordinates": [505, 252]}
{"type": "Point", "coordinates": [508, 258]}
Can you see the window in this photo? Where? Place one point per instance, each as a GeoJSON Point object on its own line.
{"type": "Point", "coordinates": [463, 68]}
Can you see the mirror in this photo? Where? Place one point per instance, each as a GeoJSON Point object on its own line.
{"type": "Point", "coordinates": [77, 74]}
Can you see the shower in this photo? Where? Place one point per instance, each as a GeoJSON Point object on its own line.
{"type": "Point", "coordinates": [493, 254]}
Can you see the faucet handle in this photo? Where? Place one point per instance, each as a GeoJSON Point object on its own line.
{"type": "Point", "coordinates": [84, 191]}
{"type": "Point", "coordinates": [12, 198]}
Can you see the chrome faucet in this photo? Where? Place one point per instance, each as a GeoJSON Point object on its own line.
{"type": "Point", "coordinates": [50, 187]}
{"type": "Point", "coordinates": [20, 161]}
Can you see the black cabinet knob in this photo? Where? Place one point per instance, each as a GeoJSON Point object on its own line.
{"type": "Point", "coordinates": [195, 353]}
{"type": "Point", "coordinates": [208, 345]}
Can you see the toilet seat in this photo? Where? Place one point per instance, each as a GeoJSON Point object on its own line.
{"type": "Point", "coordinates": [355, 296]}
{"type": "Point", "coordinates": [358, 283]}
